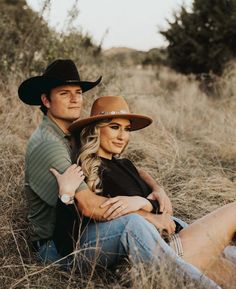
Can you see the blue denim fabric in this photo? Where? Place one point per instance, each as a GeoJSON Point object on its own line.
{"type": "Point", "coordinates": [47, 252]}
{"type": "Point", "coordinates": [181, 222]}
{"type": "Point", "coordinates": [131, 236]}
{"type": "Point", "coordinates": [106, 243]}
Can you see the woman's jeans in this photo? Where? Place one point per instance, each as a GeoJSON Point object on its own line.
{"type": "Point", "coordinates": [106, 243]}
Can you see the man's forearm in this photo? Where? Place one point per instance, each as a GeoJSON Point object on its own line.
{"type": "Point", "coordinates": [148, 179]}
{"type": "Point", "coordinates": [89, 203]}
{"type": "Point", "coordinates": [146, 215]}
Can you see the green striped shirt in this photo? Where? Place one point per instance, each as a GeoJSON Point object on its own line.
{"type": "Point", "coordinates": [47, 148]}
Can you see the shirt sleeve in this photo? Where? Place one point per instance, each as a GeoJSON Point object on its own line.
{"type": "Point", "coordinates": [45, 156]}
{"type": "Point", "coordinates": [155, 206]}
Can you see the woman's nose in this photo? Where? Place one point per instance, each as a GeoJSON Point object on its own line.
{"type": "Point", "coordinates": [121, 133]}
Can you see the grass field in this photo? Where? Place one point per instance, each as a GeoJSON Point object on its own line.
{"type": "Point", "coordinates": [190, 149]}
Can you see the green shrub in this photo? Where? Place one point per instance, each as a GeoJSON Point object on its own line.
{"type": "Point", "coordinates": [204, 39]}
{"type": "Point", "coordinates": [28, 44]}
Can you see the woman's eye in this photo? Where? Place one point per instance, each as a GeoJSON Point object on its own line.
{"type": "Point", "coordinates": [114, 126]}
{"type": "Point", "coordinates": [128, 129]}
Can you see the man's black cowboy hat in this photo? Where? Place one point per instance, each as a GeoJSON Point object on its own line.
{"type": "Point", "coordinates": [60, 72]}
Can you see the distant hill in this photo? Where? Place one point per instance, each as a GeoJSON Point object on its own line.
{"type": "Point", "coordinates": [130, 56]}
{"type": "Point", "coordinates": [125, 56]}
{"type": "Point", "coordinates": [118, 50]}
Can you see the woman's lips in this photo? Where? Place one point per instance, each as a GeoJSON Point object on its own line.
{"type": "Point", "coordinates": [120, 145]}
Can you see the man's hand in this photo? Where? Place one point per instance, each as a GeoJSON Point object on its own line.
{"type": "Point", "coordinates": [122, 205]}
{"type": "Point", "coordinates": [163, 199]}
{"type": "Point", "coordinates": [70, 180]}
{"type": "Point", "coordinates": [157, 192]}
{"type": "Point", "coordinates": [163, 222]}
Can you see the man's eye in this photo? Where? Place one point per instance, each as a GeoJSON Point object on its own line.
{"type": "Point", "coordinates": [63, 93]}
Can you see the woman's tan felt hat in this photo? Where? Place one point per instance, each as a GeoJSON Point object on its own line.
{"type": "Point", "coordinates": [106, 107]}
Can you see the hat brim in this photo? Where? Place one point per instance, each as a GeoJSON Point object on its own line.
{"type": "Point", "coordinates": [30, 90]}
{"type": "Point", "coordinates": [138, 121]}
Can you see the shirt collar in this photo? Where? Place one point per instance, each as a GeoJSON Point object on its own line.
{"type": "Point", "coordinates": [59, 131]}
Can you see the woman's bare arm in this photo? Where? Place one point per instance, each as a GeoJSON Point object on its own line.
{"type": "Point", "coordinates": [89, 204]}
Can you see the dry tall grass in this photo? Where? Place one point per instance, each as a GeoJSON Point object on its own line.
{"type": "Point", "coordinates": [190, 149]}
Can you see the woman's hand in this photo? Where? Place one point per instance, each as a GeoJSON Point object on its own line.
{"type": "Point", "coordinates": [123, 205]}
{"type": "Point", "coordinates": [70, 180]}
{"type": "Point", "coordinates": [163, 199]}
{"type": "Point", "coordinates": [163, 222]}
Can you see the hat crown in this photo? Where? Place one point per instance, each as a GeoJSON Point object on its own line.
{"type": "Point", "coordinates": [63, 69]}
{"type": "Point", "coordinates": [109, 105]}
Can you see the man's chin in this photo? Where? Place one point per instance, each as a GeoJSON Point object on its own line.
{"type": "Point", "coordinates": [71, 118]}
{"type": "Point", "coordinates": [74, 116]}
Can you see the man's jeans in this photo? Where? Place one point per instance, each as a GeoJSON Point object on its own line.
{"type": "Point", "coordinates": [47, 252]}
{"type": "Point", "coordinates": [106, 243]}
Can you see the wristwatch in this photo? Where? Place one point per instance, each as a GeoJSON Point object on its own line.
{"type": "Point", "coordinates": [67, 199]}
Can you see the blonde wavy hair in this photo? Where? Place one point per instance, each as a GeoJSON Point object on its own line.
{"type": "Point", "coordinates": [86, 146]}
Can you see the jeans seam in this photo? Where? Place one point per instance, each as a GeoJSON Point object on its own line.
{"type": "Point", "coordinates": [134, 236]}
{"type": "Point", "coordinates": [101, 239]}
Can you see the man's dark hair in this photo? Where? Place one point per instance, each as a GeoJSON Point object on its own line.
{"type": "Point", "coordinates": [48, 96]}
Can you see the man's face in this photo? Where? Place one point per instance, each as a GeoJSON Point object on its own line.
{"type": "Point", "coordinates": [65, 102]}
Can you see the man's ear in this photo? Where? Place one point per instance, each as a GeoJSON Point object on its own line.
{"type": "Point", "coordinates": [45, 100]}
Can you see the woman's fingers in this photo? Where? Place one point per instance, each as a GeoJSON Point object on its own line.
{"type": "Point", "coordinates": [55, 173]}
{"type": "Point", "coordinates": [117, 213]}
{"type": "Point", "coordinates": [70, 170]}
{"type": "Point", "coordinates": [81, 178]}
{"type": "Point", "coordinates": [112, 209]}
{"type": "Point", "coordinates": [72, 167]}
{"type": "Point", "coordinates": [80, 173]}
{"type": "Point", "coordinates": [109, 202]}
{"type": "Point", "coordinates": [69, 180]}
{"type": "Point", "coordinates": [75, 171]}
{"type": "Point", "coordinates": [78, 168]}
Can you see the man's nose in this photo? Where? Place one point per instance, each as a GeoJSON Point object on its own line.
{"type": "Point", "coordinates": [75, 97]}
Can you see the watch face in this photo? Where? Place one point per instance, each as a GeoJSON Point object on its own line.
{"type": "Point", "coordinates": [65, 198]}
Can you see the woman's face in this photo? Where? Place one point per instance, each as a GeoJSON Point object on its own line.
{"type": "Point", "coordinates": [114, 137]}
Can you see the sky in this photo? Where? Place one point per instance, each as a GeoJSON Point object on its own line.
{"type": "Point", "coordinates": [116, 23]}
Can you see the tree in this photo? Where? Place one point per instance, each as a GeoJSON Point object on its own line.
{"type": "Point", "coordinates": [204, 39]}
{"type": "Point", "coordinates": [28, 44]}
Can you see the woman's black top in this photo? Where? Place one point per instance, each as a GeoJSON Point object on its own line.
{"type": "Point", "coordinates": [119, 177]}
